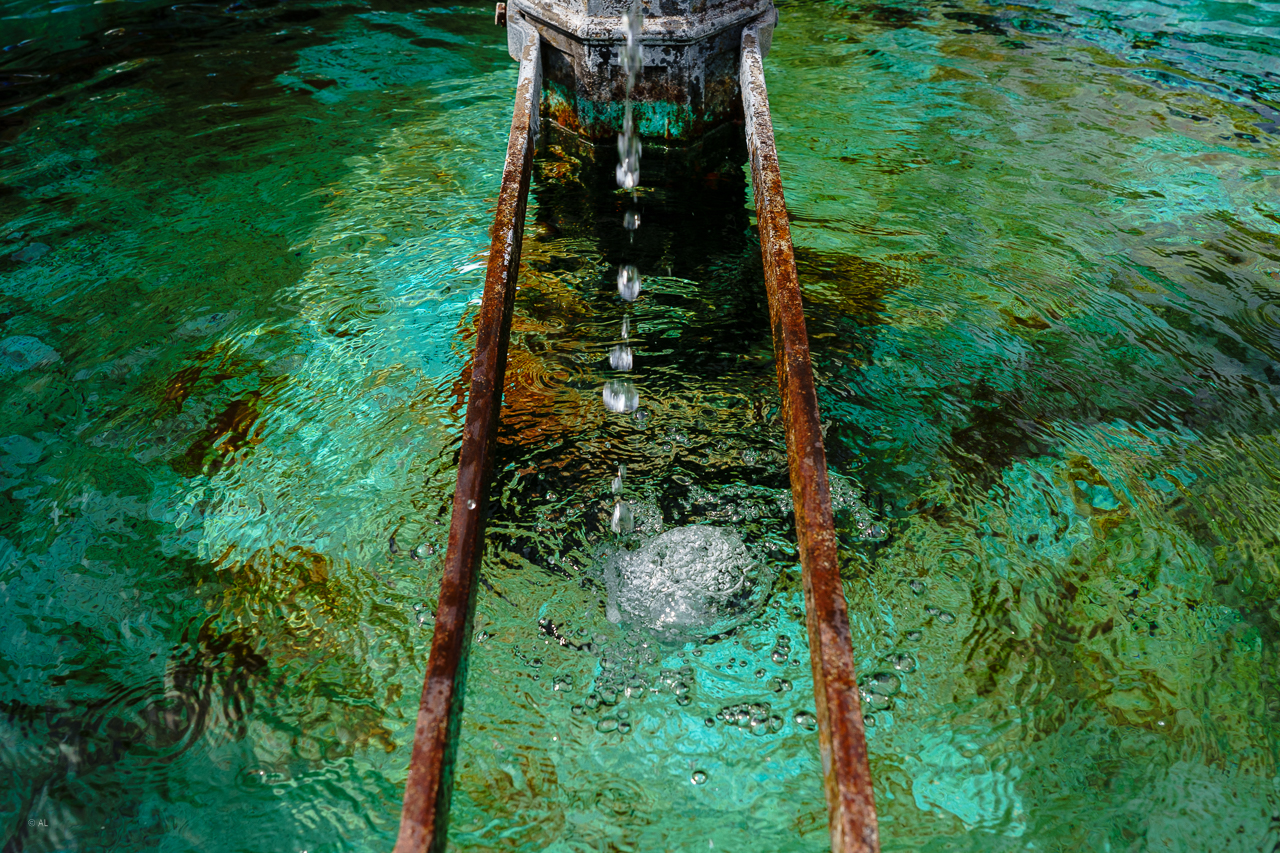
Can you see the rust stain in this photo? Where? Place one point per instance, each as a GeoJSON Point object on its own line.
{"type": "Point", "coordinates": [424, 817]}
{"type": "Point", "coordinates": [847, 776]}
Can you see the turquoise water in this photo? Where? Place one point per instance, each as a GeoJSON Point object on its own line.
{"type": "Point", "coordinates": [1040, 247]}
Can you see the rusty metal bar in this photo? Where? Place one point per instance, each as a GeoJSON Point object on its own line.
{"type": "Point", "coordinates": [424, 817]}
{"type": "Point", "coordinates": [847, 777]}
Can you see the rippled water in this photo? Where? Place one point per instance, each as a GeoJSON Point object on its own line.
{"type": "Point", "coordinates": [242, 247]}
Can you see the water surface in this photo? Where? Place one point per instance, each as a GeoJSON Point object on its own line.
{"type": "Point", "coordinates": [243, 246]}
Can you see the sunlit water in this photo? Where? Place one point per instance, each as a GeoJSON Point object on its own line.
{"type": "Point", "coordinates": [243, 246]}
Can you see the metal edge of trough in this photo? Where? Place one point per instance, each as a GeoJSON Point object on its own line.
{"type": "Point", "coordinates": [846, 773]}
{"type": "Point", "coordinates": [425, 814]}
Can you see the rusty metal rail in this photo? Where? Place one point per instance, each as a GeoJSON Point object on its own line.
{"type": "Point", "coordinates": [424, 817]}
{"type": "Point", "coordinates": [847, 777]}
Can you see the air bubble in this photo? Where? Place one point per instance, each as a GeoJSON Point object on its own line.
{"type": "Point", "coordinates": [884, 683]}
{"type": "Point", "coordinates": [903, 662]}
{"type": "Point", "coordinates": [915, 636]}
{"type": "Point", "coordinates": [698, 777]}
{"type": "Point", "coordinates": [946, 617]}
{"type": "Point", "coordinates": [806, 720]}
{"type": "Point", "coordinates": [471, 504]}
{"type": "Point", "coordinates": [917, 586]}
{"type": "Point", "coordinates": [608, 724]}
{"type": "Point", "coordinates": [876, 701]}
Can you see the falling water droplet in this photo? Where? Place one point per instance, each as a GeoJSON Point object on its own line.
{"type": "Point", "coordinates": [620, 395]}
{"type": "Point", "coordinates": [623, 522]}
{"type": "Point", "coordinates": [631, 220]}
{"type": "Point", "coordinates": [621, 357]}
{"type": "Point", "coordinates": [628, 282]}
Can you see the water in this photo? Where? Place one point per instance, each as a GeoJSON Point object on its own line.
{"type": "Point", "coordinates": [243, 248]}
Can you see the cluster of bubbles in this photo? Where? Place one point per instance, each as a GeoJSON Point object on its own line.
{"type": "Point", "coordinates": [689, 582]}
{"type": "Point", "coordinates": [620, 681]}
{"type": "Point", "coordinates": [781, 649]}
{"type": "Point", "coordinates": [757, 718]}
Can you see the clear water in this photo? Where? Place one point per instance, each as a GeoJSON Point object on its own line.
{"type": "Point", "coordinates": [1040, 245]}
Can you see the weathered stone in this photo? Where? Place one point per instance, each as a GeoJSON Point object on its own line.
{"type": "Point", "coordinates": [689, 83]}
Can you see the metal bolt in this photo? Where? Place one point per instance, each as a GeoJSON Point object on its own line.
{"type": "Point", "coordinates": [500, 15]}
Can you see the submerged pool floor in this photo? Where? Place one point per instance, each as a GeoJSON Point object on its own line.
{"type": "Point", "coordinates": [242, 250]}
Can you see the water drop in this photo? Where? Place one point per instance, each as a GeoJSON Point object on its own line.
{"type": "Point", "coordinates": [621, 357]}
{"type": "Point", "coordinates": [628, 282]}
{"type": "Point", "coordinates": [698, 777]}
{"type": "Point", "coordinates": [620, 395]}
{"type": "Point", "coordinates": [623, 522]}
{"type": "Point", "coordinates": [806, 720]}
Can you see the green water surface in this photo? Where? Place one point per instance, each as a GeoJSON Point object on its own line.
{"type": "Point", "coordinates": [241, 248]}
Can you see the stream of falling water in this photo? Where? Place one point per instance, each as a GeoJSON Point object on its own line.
{"type": "Point", "coordinates": [620, 395]}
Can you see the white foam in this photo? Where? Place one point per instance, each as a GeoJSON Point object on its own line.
{"type": "Point", "coordinates": [690, 581]}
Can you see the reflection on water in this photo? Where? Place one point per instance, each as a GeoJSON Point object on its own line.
{"type": "Point", "coordinates": [1039, 245]}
